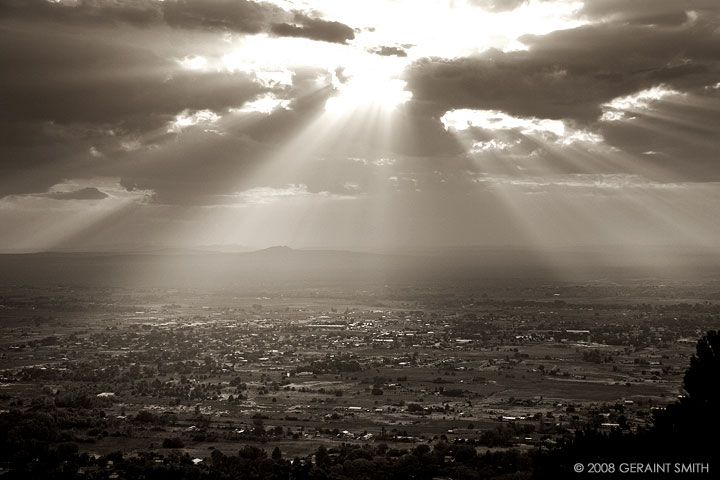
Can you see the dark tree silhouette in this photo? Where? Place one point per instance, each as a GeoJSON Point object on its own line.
{"type": "Point", "coordinates": [702, 379]}
{"type": "Point", "coordinates": [690, 424]}
{"type": "Point", "coordinates": [684, 431]}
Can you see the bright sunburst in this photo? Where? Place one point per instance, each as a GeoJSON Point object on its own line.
{"type": "Point", "coordinates": [382, 122]}
{"type": "Point", "coordinates": [368, 89]}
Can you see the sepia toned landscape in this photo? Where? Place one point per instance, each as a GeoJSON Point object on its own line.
{"type": "Point", "coordinates": [359, 239]}
{"type": "Point", "coordinates": [159, 376]}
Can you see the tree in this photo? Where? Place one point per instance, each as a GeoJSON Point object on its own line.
{"type": "Point", "coordinates": [276, 454]}
{"type": "Point", "coordinates": [689, 422]}
{"type": "Point", "coordinates": [322, 458]}
{"type": "Point", "coordinates": [173, 442]}
{"type": "Point", "coordinates": [702, 379]}
{"type": "Point", "coordinates": [421, 450]}
{"type": "Point", "coordinates": [251, 452]}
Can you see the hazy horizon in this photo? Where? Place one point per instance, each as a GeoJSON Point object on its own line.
{"type": "Point", "coordinates": [399, 249]}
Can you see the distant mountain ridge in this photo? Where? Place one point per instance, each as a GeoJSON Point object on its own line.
{"type": "Point", "coordinates": [168, 266]}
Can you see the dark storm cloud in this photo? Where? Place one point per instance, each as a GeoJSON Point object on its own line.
{"type": "Point", "coordinates": [88, 193]}
{"type": "Point", "coordinates": [241, 16]}
{"type": "Point", "coordinates": [84, 102]}
{"type": "Point", "coordinates": [63, 94]}
{"type": "Point", "coordinates": [233, 15]}
{"type": "Point", "coordinates": [84, 12]}
{"type": "Point", "coordinates": [386, 51]}
{"type": "Point", "coordinates": [314, 29]}
{"type": "Point", "coordinates": [74, 96]}
{"type": "Point", "coordinates": [646, 12]}
{"type": "Point", "coordinates": [81, 93]}
{"type": "Point", "coordinates": [73, 79]}
{"type": "Point", "coordinates": [569, 74]}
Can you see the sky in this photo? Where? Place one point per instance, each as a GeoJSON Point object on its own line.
{"type": "Point", "coordinates": [363, 125]}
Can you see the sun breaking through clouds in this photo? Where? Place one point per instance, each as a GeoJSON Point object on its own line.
{"type": "Point", "coordinates": [376, 124]}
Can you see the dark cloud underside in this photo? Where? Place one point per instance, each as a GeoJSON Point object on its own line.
{"type": "Point", "coordinates": [68, 93]}
{"type": "Point", "coordinates": [647, 12]}
{"type": "Point", "coordinates": [241, 16]}
{"type": "Point", "coordinates": [569, 74]}
{"type": "Point", "coordinates": [387, 51]}
{"type": "Point", "coordinates": [88, 193]}
{"type": "Point", "coordinates": [77, 99]}
{"type": "Point", "coordinates": [314, 29]}
{"type": "Point", "coordinates": [72, 79]}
